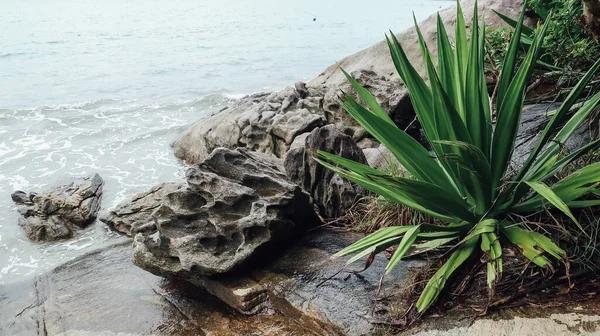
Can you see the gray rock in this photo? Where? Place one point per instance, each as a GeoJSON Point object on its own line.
{"type": "Point", "coordinates": [533, 120]}
{"type": "Point", "coordinates": [333, 194]}
{"type": "Point", "coordinates": [237, 207]}
{"type": "Point", "coordinates": [383, 160]}
{"type": "Point", "coordinates": [305, 282]}
{"type": "Point", "coordinates": [262, 123]}
{"type": "Point", "coordinates": [102, 293]}
{"type": "Point", "coordinates": [367, 143]}
{"type": "Point", "coordinates": [301, 89]}
{"type": "Point", "coordinates": [56, 214]}
{"type": "Point", "coordinates": [299, 141]}
{"type": "Point", "coordinates": [21, 197]}
{"type": "Point", "coordinates": [289, 125]}
{"type": "Point", "coordinates": [135, 215]}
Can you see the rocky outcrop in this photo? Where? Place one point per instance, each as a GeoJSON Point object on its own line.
{"type": "Point", "coordinates": [238, 206]}
{"type": "Point", "coordinates": [104, 294]}
{"type": "Point", "coordinates": [265, 123]}
{"type": "Point", "coordinates": [269, 122]}
{"type": "Point", "coordinates": [57, 213]}
{"type": "Point", "coordinates": [332, 193]}
{"type": "Point", "coordinates": [135, 215]}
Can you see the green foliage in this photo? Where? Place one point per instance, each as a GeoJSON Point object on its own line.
{"type": "Point", "coordinates": [466, 184]}
{"type": "Point", "coordinates": [566, 44]}
{"type": "Point", "coordinates": [497, 39]}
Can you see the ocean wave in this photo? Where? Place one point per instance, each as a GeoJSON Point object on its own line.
{"type": "Point", "coordinates": [7, 55]}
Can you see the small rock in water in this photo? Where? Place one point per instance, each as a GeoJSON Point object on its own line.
{"type": "Point", "coordinates": [56, 214]}
{"type": "Point", "coordinates": [21, 197]}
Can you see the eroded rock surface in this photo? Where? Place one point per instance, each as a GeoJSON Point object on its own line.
{"type": "Point", "coordinates": [132, 216]}
{"type": "Point", "coordinates": [57, 213]}
{"type": "Point", "coordinates": [333, 194]}
{"type": "Point", "coordinates": [238, 206]}
{"type": "Point", "coordinates": [269, 123]}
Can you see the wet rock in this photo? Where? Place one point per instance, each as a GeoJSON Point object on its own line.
{"type": "Point", "coordinates": [57, 213]}
{"type": "Point", "coordinates": [333, 194]}
{"type": "Point", "coordinates": [237, 207]}
{"type": "Point", "coordinates": [22, 198]}
{"type": "Point", "coordinates": [103, 293]}
{"type": "Point", "coordinates": [135, 215]}
{"type": "Point", "coordinates": [305, 284]}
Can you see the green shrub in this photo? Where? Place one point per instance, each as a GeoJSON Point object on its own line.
{"type": "Point", "coordinates": [566, 44]}
{"type": "Point", "coordinates": [466, 183]}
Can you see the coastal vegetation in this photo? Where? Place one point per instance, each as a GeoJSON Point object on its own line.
{"type": "Point", "coordinates": [461, 193]}
{"type": "Point", "coordinates": [567, 49]}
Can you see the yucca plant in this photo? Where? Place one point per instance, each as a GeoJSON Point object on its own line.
{"type": "Point", "coordinates": [465, 182]}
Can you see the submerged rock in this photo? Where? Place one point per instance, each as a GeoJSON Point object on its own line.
{"type": "Point", "coordinates": [135, 215]}
{"type": "Point", "coordinates": [333, 194]}
{"type": "Point", "coordinates": [57, 213]}
{"type": "Point", "coordinates": [238, 206]}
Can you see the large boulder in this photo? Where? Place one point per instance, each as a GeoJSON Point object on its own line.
{"type": "Point", "coordinates": [135, 215]}
{"type": "Point", "coordinates": [57, 213]}
{"type": "Point", "coordinates": [376, 59]}
{"type": "Point", "coordinates": [332, 193]}
{"type": "Point", "coordinates": [238, 206]}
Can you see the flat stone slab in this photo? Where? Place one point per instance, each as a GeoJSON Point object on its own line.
{"type": "Point", "coordinates": [305, 284]}
{"type": "Point", "coordinates": [103, 293]}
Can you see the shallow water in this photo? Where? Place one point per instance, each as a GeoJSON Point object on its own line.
{"type": "Point", "coordinates": [105, 86]}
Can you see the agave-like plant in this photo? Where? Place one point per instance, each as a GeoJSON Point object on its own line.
{"type": "Point", "coordinates": [466, 182]}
